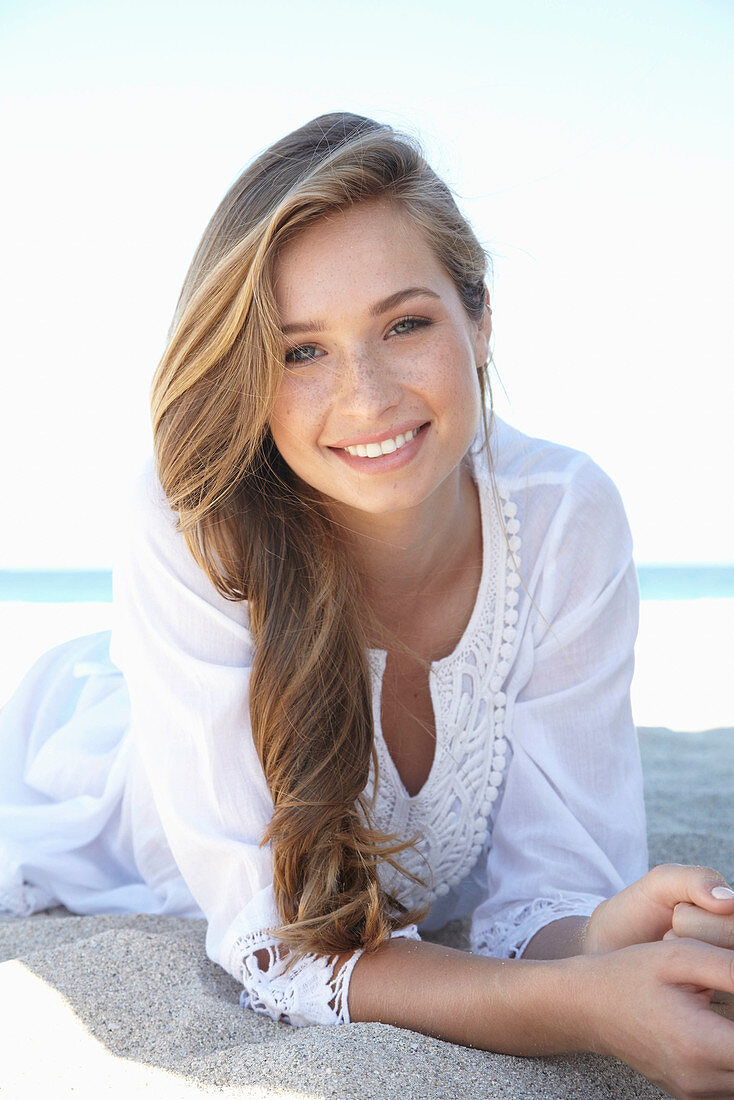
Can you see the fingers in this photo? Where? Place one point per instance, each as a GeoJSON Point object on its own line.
{"type": "Point", "coordinates": [691, 961]}
{"type": "Point", "coordinates": [672, 883]}
{"type": "Point", "coordinates": [699, 924]}
{"type": "Point", "coordinates": [721, 1003]}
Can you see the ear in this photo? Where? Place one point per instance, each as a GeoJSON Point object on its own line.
{"type": "Point", "coordinates": [484, 331]}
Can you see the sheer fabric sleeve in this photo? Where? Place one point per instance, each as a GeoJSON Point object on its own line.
{"type": "Point", "coordinates": [186, 653]}
{"type": "Point", "coordinates": [570, 830]}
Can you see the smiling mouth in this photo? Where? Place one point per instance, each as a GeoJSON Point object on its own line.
{"type": "Point", "coordinates": [385, 447]}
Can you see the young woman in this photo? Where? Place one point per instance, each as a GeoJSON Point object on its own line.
{"type": "Point", "coordinates": [370, 660]}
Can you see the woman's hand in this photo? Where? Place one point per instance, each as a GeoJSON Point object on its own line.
{"type": "Point", "coordinates": [670, 900]}
{"type": "Point", "coordinates": [694, 923]}
{"type": "Point", "coordinates": [649, 1006]}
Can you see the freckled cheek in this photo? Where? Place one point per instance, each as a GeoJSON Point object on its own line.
{"type": "Point", "coordinates": [444, 378]}
{"type": "Point", "coordinates": [300, 412]}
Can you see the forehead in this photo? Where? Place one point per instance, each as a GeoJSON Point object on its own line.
{"type": "Point", "coordinates": [354, 256]}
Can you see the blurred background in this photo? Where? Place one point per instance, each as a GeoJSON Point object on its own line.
{"type": "Point", "coordinates": [591, 147]}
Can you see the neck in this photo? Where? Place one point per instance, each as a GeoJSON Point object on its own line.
{"type": "Point", "coordinates": [411, 558]}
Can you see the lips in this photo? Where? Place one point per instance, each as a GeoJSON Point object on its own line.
{"type": "Point", "coordinates": [386, 447]}
{"type": "Point", "coordinates": [398, 455]}
{"type": "Point", "coordinates": [378, 437]}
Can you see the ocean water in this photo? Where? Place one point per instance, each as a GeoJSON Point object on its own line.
{"type": "Point", "coordinates": [56, 585]}
{"type": "Point", "coordinates": [657, 582]}
{"type": "Point", "coordinates": [686, 582]}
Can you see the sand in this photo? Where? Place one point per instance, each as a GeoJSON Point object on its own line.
{"type": "Point", "coordinates": [107, 1006]}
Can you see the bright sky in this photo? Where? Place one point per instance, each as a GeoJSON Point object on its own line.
{"type": "Point", "coordinates": [590, 145]}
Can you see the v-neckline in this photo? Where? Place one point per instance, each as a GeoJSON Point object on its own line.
{"type": "Point", "coordinates": [377, 659]}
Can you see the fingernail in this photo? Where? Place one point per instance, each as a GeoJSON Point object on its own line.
{"type": "Point", "coordinates": [724, 893]}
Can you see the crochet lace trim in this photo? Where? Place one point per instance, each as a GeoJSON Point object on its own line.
{"type": "Point", "coordinates": [508, 936]}
{"type": "Point", "coordinates": [309, 992]}
{"type": "Point", "coordinates": [452, 813]}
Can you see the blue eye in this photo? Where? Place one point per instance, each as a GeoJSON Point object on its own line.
{"type": "Point", "coordinates": [409, 324]}
{"type": "Point", "coordinates": [304, 353]}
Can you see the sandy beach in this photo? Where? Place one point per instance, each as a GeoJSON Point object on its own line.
{"type": "Point", "coordinates": [109, 1005]}
{"type": "Point", "coordinates": [105, 1006]}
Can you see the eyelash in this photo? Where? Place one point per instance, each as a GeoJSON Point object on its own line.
{"type": "Point", "coordinates": [417, 322]}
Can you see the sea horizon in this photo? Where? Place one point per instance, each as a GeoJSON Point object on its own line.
{"type": "Point", "coordinates": [658, 581]}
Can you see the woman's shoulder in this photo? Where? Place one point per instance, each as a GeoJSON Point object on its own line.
{"type": "Point", "coordinates": [541, 476]}
{"type": "Point", "coordinates": [521, 461]}
{"type": "Point", "coordinates": [155, 569]}
{"type": "Point", "coordinates": [561, 496]}
{"type": "Point", "coordinates": [152, 538]}
{"type": "Point", "coordinates": [150, 525]}
{"type": "Point", "coordinates": [147, 504]}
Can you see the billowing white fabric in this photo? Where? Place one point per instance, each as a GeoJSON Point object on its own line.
{"type": "Point", "coordinates": [129, 781]}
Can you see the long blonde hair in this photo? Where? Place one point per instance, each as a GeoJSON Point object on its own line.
{"type": "Point", "coordinates": [263, 536]}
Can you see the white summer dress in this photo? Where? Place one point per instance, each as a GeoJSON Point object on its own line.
{"type": "Point", "coordinates": [129, 782]}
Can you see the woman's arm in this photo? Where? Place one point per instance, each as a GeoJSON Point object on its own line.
{"type": "Point", "coordinates": [559, 940]}
{"type": "Point", "coordinates": [201, 803]}
{"type": "Point", "coordinates": [647, 1004]}
{"type": "Point", "coordinates": [670, 900]}
{"type": "Point", "coordinates": [511, 1006]}
{"type": "Point", "coordinates": [570, 827]}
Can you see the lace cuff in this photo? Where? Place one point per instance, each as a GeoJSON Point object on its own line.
{"type": "Point", "coordinates": [308, 993]}
{"type": "Point", "coordinates": [506, 934]}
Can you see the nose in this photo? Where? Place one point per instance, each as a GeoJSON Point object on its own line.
{"type": "Point", "coordinates": [368, 388]}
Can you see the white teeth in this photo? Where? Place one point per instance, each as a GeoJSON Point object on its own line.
{"type": "Point", "coordinates": [374, 450]}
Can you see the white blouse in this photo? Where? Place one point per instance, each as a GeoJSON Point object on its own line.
{"type": "Point", "coordinates": [141, 766]}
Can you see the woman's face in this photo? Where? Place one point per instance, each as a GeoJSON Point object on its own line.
{"type": "Point", "coordinates": [380, 397]}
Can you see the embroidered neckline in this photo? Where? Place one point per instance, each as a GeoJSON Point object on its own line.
{"type": "Point", "coordinates": [438, 669]}
{"type": "Point", "coordinates": [451, 812]}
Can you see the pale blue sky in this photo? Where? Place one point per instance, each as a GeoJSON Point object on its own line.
{"type": "Point", "coordinates": [591, 146]}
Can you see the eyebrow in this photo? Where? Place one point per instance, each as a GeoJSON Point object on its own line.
{"type": "Point", "coordinates": [375, 310]}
